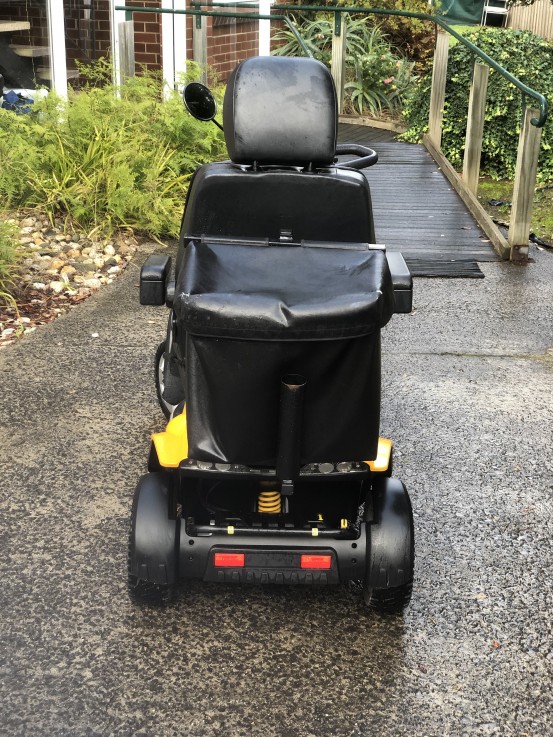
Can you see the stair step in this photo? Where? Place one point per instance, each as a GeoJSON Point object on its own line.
{"type": "Point", "coordinates": [9, 26]}
{"type": "Point", "coordinates": [46, 73]}
{"type": "Point", "coordinates": [30, 51]}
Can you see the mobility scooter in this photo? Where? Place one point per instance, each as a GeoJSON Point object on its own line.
{"type": "Point", "coordinates": [271, 469]}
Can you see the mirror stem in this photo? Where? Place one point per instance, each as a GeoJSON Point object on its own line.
{"type": "Point", "coordinates": [217, 124]}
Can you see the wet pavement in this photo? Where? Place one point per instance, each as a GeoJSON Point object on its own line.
{"type": "Point", "coordinates": [468, 399]}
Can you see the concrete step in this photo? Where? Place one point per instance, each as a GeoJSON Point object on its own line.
{"type": "Point", "coordinates": [30, 51]}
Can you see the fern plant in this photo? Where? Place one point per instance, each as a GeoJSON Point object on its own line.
{"type": "Point", "coordinates": [108, 158]}
{"type": "Point", "coordinates": [8, 263]}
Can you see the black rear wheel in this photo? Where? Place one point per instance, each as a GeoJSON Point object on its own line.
{"type": "Point", "coordinates": [388, 580]}
{"type": "Point", "coordinates": [150, 594]}
{"type": "Point", "coordinates": [389, 601]}
{"type": "Point", "coordinates": [143, 591]}
{"type": "Point", "coordinates": [168, 384]}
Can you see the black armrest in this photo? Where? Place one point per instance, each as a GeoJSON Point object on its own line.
{"type": "Point", "coordinates": [154, 275]}
{"type": "Point", "coordinates": [402, 281]}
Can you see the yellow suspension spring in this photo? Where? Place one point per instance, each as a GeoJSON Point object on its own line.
{"type": "Point", "coordinates": [269, 502]}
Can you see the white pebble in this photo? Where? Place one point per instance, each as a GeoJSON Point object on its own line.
{"type": "Point", "coordinates": [57, 287]}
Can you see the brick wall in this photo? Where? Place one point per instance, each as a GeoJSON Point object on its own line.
{"type": "Point", "coordinates": [86, 27]}
{"type": "Point", "coordinates": [147, 35]}
{"type": "Point", "coordinates": [35, 13]}
{"type": "Point", "coordinates": [229, 39]}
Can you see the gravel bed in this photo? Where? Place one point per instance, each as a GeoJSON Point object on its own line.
{"type": "Point", "coordinates": [60, 267]}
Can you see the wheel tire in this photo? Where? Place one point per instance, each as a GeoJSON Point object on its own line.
{"type": "Point", "coordinates": [389, 601]}
{"type": "Point", "coordinates": [388, 581]}
{"type": "Point", "coordinates": [149, 594]}
{"type": "Point", "coordinates": [159, 376]}
{"type": "Point", "coordinates": [141, 591]}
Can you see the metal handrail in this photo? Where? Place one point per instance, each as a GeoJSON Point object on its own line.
{"type": "Point", "coordinates": [437, 20]}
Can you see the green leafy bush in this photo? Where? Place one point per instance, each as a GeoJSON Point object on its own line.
{"type": "Point", "coordinates": [8, 262]}
{"type": "Point", "coordinates": [524, 55]}
{"type": "Point", "coordinates": [377, 78]}
{"type": "Point", "coordinates": [382, 79]}
{"type": "Point", "coordinates": [106, 159]}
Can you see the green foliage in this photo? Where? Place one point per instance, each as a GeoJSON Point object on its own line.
{"type": "Point", "coordinates": [382, 79]}
{"type": "Point", "coordinates": [413, 37]}
{"type": "Point", "coordinates": [316, 34]}
{"type": "Point", "coordinates": [525, 56]}
{"type": "Point", "coordinates": [377, 78]}
{"type": "Point", "coordinates": [105, 159]}
{"type": "Point", "coordinates": [8, 262]}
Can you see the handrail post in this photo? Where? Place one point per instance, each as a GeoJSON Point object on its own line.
{"type": "Point", "coordinates": [338, 62]}
{"type": "Point", "coordinates": [525, 186]}
{"type": "Point", "coordinates": [199, 42]}
{"type": "Point", "coordinates": [126, 50]}
{"type": "Point", "coordinates": [437, 94]}
{"type": "Point", "coordinates": [475, 127]}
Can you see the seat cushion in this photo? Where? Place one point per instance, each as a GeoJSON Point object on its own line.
{"type": "Point", "coordinates": [261, 292]}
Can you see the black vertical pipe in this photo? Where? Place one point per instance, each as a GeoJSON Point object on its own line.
{"type": "Point", "coordinates": [292, 390]}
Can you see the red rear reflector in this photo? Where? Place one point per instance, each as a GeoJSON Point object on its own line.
{"type": "Point", "coordinates": [316, 561]}
{"type": "Point", "coordinates": [229, 560]}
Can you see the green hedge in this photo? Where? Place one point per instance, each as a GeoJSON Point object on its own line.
{"type": "Point", "coordinates": [524, 55]}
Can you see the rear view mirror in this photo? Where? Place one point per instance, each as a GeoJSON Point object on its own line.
{"type": "Point", "coordinates": [199, 101]}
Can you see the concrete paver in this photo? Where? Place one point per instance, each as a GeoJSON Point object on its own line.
{"type": "Point", "coordinates": [468, 399]}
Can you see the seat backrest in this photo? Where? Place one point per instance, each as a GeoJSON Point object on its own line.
{"type": "Point", "coordinates": [280, 121]}
{"type": "Point", "coordinates": [281, 205]}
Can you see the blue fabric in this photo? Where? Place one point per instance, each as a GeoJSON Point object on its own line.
{"type": "Point", "coordinates": [17, 103]}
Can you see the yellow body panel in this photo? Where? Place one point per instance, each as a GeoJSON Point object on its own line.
{"type": "Point", "coordinates": [172, 445]}
{"type": "Point", "coordinates": [382, 460]}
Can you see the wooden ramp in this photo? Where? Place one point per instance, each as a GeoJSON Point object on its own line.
{"type": "Point", "coordinates": [416, 210]}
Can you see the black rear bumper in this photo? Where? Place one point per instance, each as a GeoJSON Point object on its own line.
{"type": "Point", "coordinates": [273, 559]}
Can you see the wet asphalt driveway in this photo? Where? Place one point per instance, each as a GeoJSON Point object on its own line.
{"type": "Point", "coordinates": [468, 399]}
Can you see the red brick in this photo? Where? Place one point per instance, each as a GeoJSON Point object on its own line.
{"type": "Point", "coordinates": [146, 58]}
{"type": "Point", "coordinates": [145, 38]}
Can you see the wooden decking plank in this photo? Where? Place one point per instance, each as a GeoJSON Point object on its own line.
{"type": "Point", "coordinates": [416, 210]}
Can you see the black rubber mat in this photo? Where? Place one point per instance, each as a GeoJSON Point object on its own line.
{"type": "Point", "coordinates": [455, 269]}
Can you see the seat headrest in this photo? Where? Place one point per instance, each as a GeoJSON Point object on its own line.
{"type": "Point", "coordinates": [280, 110]}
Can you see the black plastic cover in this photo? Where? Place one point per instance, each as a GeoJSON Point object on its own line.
{"type": "Point", "coordinates": [283, 293]}
{"type": "Point", "coordinates": [252, 314]}
{"type": "Point", "coordinates": [280, 110]}
{"type": "Point", "coordinates": [233, 398]}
